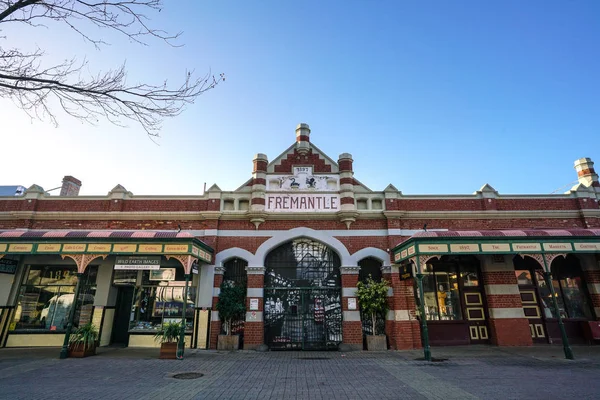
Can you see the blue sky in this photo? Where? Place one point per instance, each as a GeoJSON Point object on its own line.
{"type": "Point", "coordinates": [435, 97]}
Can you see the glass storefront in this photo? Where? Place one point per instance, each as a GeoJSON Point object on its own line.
{"type": "Point", "coordinates": [46, 295]}
{"type": "Point", "coordinates": [441, 292]}
{"type": "Point", "coordinates": [158, 298]}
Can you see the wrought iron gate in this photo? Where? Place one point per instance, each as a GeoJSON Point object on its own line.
{"type": "Point", "coordinates": [302, 298]}
{"type": "Point", "coordinates": [303, 318]}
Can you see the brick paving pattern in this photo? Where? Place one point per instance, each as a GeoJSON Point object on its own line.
{"type": "Point", "coordinates": [475, 372]}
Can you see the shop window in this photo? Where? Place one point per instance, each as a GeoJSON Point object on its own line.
{"type": "Point", "coordinates": [570, 290]}
{"type": "Point", "coordinates": [160, 300]}
{"type": "Point", "coordinates": [523, 277]}
{"type": "Point", "coordinates": [441, 292]}
{"type": "Point", "coordinates": [47, 294]}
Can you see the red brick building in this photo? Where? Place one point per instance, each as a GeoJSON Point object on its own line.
{"type": "Point", "coordinates": [299, 235]}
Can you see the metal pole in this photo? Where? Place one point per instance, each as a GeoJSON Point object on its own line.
{"type": "Point", "coordinates": [64, 352]}
{"type": "Point", "coordinates": [181, 344]}
{"type": "Point", "coordinates": [424, 331]}
{"type": "Point", "coordinates": [561, 326]}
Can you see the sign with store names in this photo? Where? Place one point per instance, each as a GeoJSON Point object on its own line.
{"type": "Point", "coordinates": [138, 262]}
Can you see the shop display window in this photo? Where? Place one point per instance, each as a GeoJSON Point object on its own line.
{"type": "Point", "coordinates": [160, 299]}
{"type": "Point", "coordinates": [441, 293]}
{"type": "Point", "coordinates": [46, 296]}
{"type": "Point", "coordinates": [571, 295]}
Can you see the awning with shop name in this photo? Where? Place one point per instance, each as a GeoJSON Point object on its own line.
{"type": "Point", "coordinates": [513, 241]}
{"type": "Point", "coordinates": [117, 242]}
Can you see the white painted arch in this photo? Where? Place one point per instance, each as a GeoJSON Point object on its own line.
{"type": "Point", "coordinates": [295, 233]}
{"type": "Point", "coordinates": [234, 252]}
{"type": "Point", "coordinates": [373, 252]}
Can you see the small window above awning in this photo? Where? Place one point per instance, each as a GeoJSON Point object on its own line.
{"type": "Point", "coordinates": [117, 242]}
{"type": "Point", "coordinates": [513, 241]}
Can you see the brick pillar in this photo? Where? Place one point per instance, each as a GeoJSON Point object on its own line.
{"type": "Point", "coordinates": [346, 182]}
{"type": "Point", "coordinates": [402, 327]}
{"type": "Point", "coordinates": [259, 182]}
{"type": "Point", "coordinates": [215, 321]}
{"type": "Point", "coordinates": [507, 323]}
{"type": "Point", "coordinates": [254, 330]}
{"type": "Point", "coordinates": [591, 275]}
{"type": "Point", "coordinates": [352, 335]}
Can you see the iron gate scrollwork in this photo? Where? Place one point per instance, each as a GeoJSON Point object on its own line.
{"type": "Point", "coordinates": [302, 309]}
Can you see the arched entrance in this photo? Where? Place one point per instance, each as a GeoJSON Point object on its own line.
{"type": "Point", "coordinates": [371, 267]}
{"type": "Point", "coordinates": [302, 309]}
{"type": "Point", "coordinates": [571, 294]}
{"type": "Point", "coordinates": [235, 272]}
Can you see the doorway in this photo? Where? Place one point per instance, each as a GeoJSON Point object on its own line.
{"type": "Point", "coordinates": [120, 332]}
{"type": "Point", "coordinates": [303, 308]}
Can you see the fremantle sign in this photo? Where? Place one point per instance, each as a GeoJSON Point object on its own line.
{"type": "Point", "coordinates": [302, 202]}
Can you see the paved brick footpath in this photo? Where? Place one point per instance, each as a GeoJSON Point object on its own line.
{"type": "Point", "coordinates": [476, 372]}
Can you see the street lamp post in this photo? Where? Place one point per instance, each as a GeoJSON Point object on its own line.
{"type": "Point", "coordinates": [181, 343]}
{"type": "Point", "coordinates": [424, 330]}
{"type": "Point", "coordinates": [561, 326]}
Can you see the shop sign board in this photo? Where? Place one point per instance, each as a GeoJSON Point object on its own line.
{"type": "Point", "coordinates": [8, 266]}
{"type": "Point", "coordinates": [291, 202]}
{"type": "Point", "coordinates": [138, 262]}
{"type": "Point", "coordinates": [405, 271]}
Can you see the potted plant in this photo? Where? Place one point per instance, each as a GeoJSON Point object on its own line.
{"type": "Point", "coordinates": [83, 342]}
{"type": "Point", "coordinates": [372, 297]}
{"type": "Point", "coordinates": [231, 305]}
{"type": "Point", "coordinates": [168, 335]}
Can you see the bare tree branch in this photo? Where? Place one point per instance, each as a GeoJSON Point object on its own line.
{"type": "Point", "coordinates": [106, 95]}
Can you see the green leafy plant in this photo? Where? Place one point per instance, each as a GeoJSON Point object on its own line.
{"type": "Point", "coordinates": [86, 336]}
{"type": "Point", "coordinates": [372, 297]}
{"type": "Point", "coordinates": [232, 303]}
{"type": "Point", "coordinates": [168, 332]}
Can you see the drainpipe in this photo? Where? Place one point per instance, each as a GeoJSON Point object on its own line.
{"type": "Point", "coordinates": [64, 352]}
{"type": "Point", "coordinates": [561, 326]}
{"type": "Point", "coordinates": [424, 331]}
{"type": "Point", "coordinates": [181, 343]}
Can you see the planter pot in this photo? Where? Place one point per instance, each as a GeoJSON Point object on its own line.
{"type": "Point", "coordinates": [228, 342]}
{"type": "Point", "coordinates": [376, 343]}
{"type": "Point", "coordinates": [168, 351]}
{"type": "Point", "coordinates": [78, 351]}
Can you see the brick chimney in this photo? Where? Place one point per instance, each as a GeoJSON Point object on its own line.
{"type": "Point", "coordinates": [585, 172]}
{"type": "Point", "coordinates": [70, 186]}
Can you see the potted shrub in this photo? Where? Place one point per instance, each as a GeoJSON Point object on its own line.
{"type": "Point", "coordinates": [372, 297]}
{"type": "Point", "coordinates": [168, 335]}
{"type": "Point", "coordinates": [83, 342]}
{"type": "Point", "coordinates": [231, 305]}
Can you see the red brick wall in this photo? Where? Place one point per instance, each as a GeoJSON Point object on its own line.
{"type": "Point", "coordinates": [253, 335]}
{"type": "Point", "coordinates": [352, 332]}
{"type": "Point", "coordinates": [510, 332]}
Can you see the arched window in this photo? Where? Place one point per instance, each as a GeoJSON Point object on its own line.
{"type": "Point", "coordinates": [369, 266]}
{"type": "Point", "coordinates": [235, 271]}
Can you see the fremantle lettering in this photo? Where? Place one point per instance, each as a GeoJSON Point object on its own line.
{"type": "Point", "coordinates": [292, 202]}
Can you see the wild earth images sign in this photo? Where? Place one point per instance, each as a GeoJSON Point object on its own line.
{"type": "Point", "coordinates": [137, 262]}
